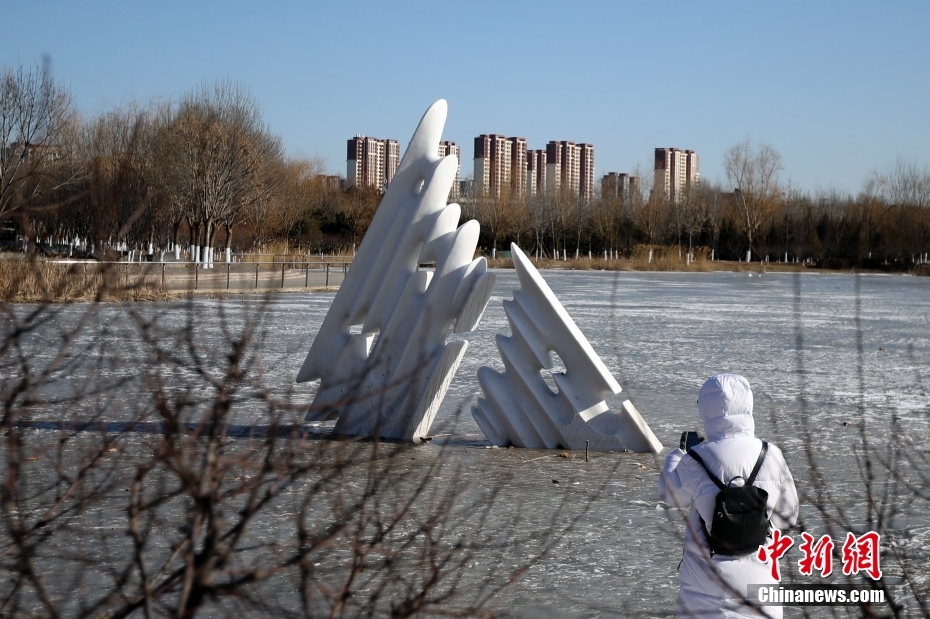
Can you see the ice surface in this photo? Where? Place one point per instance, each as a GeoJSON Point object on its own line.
{"type": "Point", "coordinates": [831, 358]}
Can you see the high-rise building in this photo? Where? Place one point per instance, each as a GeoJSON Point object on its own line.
{"type": "Point", "coordinates": [371, 162]}
{"type": "Point", "coordinates": [332, 181]}
{"type": "Point", "coordinates": [492, 164]}
{"type": "Point", "coordinates": [506, 162]}
{"type": "Point", "coordinates": [391, 161]}
{"type": "Point", "coordinates": [518, 166]}
{"type": "Point", "coordinates": [467, 188]}
{"type": "Point", "coordinates": [620, 185]}
{"type": "Point", "coordinates": [500, 162]}
{"type": "Point", "coordinates": [570, 167]}
{"type": "Point", "coordinates": [451, 148]}
{"type": "Point", "coordinates": [675, 172]}
{"type": "Point", "coordinates": [586, 171]}
{"type": "Point", "coordinates": [555, 156]}
{"type": "Point", "coordinates": [535, 172]}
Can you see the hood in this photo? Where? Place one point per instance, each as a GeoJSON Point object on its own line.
{"type": "Point", "coordinates": [725, 404]}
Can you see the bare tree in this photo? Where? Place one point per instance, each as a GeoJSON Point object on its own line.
{"type": "Point", "coordinates": [905, 183]}
{"type": "Point", "coordinates": [648, 207]}
{"type": "Point", "coordinates": [128, 196]}
{"type": "Point", "coordinates": [224, 160]}
{"type": "Point", "coordinates": [605, 217]}
{"type": "Point", "coordinates": [357, 207]}
{"type": "Point", "coordinates": [753, 174]}
{"type": "Point", "coordinates": [298, 192]}
{"type": "Point", "coordinates": [35, 113]}
{"type": "Point", "coordinates": [495, 213]}
{"type": "Point", "coordinates": [693, 212]}
{"type": "Point", "coordinates": [835, 209]}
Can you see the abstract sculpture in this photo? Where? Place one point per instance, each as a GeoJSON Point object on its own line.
{"type": "Point", "coordinates": [518, 406]}
{"type": "Point", "coordinates": [387, 375]}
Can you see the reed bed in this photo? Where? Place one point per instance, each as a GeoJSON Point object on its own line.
{"type": "Point", "coordinates": [662, 259]}
{"type": "Point", "coordinates": [279, 252]}
{"type": "Point", "coordinates": [35, 280]}
{"type": "Point", "coordinates": [665, 258]}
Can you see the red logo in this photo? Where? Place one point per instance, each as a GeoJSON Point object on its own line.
{"type": "Point", "coordinates": [816, 555]}
{"type": "Point", "coordinates": [774, 551]}
{"type": "Point", "coordinates": [861, 555]}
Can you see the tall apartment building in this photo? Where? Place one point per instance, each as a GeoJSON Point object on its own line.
{"type": "Point", "coordinates": [332, 181]}
{"type": "Point", "coordinates": [570, 167]}
{"type": "Point", "coordinates": [518, 156]}
{"type": "Point", "coordinates": [500, 162]}
{"type": "Point", "coordinates": [451, 148]}
{"type": "Point", "coordinates": [675, 172]}
{"type": "Point", "coordinates": [535, 172]}
{"type": "Point", "coordinates": [618, 184]}
{"type": "Point", "coordinates": [586, 171]}
{"type": "Point", "coordinates": [505, 162]}
{"type": "Point", "coordinates": [371, 162]}
{"type": "Point", "coordinates": [559, 156]}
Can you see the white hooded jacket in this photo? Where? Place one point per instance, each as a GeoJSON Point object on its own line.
{"type": "Point", "coordinates": [715, 586]}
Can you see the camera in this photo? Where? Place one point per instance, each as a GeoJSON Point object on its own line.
{"type": "Point", "coordinates": [689, 439]}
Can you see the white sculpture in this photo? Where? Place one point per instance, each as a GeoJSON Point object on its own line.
{"type": "Point", "coordinates": [518, 406]}
{"type": "Point", "coordinates": [387, 375]}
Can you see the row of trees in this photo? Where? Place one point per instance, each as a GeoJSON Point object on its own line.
{"type": "Point", "coordinates": [754, 212]}
{"type": "Point", "coordinates": [207, 171]}
{"type": "Point", "coordinates": [190, 172]}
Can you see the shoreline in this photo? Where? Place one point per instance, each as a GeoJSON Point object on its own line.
{"type": "Point", "coordinates": [700, 266]}
{"type": "Point", "coordinates": [44, 282]}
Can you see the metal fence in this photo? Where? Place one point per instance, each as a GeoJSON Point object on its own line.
{"type": "Point", "coordinates": [246, 276]}
{"type": "Point", "coordinates": [232, 276]}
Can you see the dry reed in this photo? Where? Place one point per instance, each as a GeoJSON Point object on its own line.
{"type": "Point", "coordinates": [280, 251]}
{"type": "Point", "coordinates": [35, 280]}
{"type": "Point", "coordinates": [662, 259]}
{"type": "Point", "coordinates": [667, 258]}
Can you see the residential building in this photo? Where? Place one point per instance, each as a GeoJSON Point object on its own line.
{"type": "Point", "coordinates": [506, 162]}
{"type": "Point", "coordinates": [492, 164]}
{"type": "Point", "coordinates": [500, 162]}
{"type": "Point", "coordinates": [555, 162]}
{"type": "Point", "coordinates": [535, 172]}
{"type": "Point", "coordinates": [518, 155]}
{"type": "Point", "coordinates": [392, 161]}
{"type": "Point", "coordinates": [675, 172]}
{"type": "Point", "coordinates": [467, 188]}
{"type": "Point", "coordinates": [451, 148]}
{"type": "Point", "coordinates": [332, 181]}
{"type": "Point", "coordinates": [620, 185]}
{"type": "Point", "coordinates": [570, 167]}
{"type": "Point", "coordinates": [586, 171]}
{"type": "Point", "coordinates": [371, 162]}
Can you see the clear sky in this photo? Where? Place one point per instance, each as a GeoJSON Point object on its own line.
{"type": "Point", "coordinates": [839, 88]}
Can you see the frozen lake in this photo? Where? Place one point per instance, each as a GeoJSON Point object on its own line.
{"type": "Point", "coordinates": [836, 362]}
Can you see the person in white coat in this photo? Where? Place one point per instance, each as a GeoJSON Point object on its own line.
{"type": "Point", "coordinates": [714, 585]}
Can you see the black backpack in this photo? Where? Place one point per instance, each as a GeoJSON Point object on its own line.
{"type": "Point", "coordinates": [740, 523]}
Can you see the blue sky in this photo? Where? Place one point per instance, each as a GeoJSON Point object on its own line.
{"type": "Point", "coordinates": [838, 88]}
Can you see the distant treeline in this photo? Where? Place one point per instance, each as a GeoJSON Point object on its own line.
{"type": "Point", "coordinates": [206, 170]}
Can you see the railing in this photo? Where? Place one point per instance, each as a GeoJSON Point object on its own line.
{"type": "Point", "coordinates": [292, 274]}
{"type": "Point", "coordinates": [244, 276]}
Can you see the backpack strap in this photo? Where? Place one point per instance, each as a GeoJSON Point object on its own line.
{"type": "Point", "coordinates": [719, 483]}
{"type": "Point", "coordinates": [752, 475]}
{"type": "Point", "coordinates": [755, 469]}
